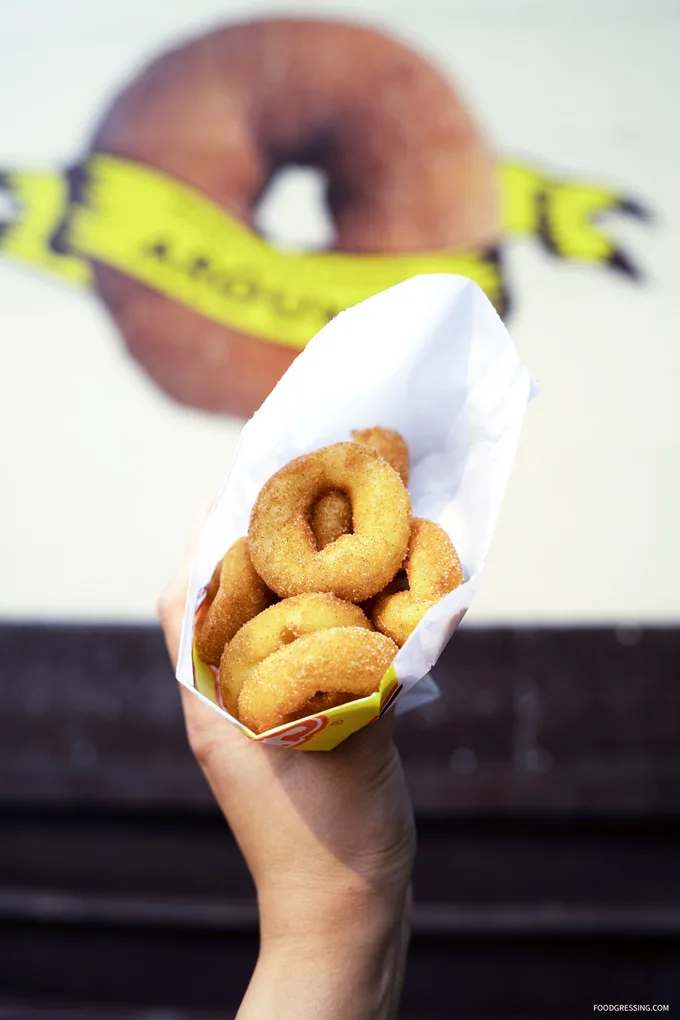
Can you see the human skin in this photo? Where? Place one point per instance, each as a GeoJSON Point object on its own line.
{"type": "Point", "coordinates": [329, 840]}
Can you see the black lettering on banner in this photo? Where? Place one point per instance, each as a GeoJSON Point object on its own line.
{"type": "Point", "coordinates": [241, 289]}
{"type": "Point", "coordinates": [159, 250]}
{"type": "Point", "coordinates": [199, 267]}
{"type": "Point", "coordinates": [278, 303]}
{"type": "Point", "coordinates": [203, 269]}
{"type": "Point", "coordinates": [302, 308]}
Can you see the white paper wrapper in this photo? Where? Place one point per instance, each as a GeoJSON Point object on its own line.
{"type": "Point", "coordinates": [432, 359]}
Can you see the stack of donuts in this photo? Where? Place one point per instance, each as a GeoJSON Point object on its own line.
{"type": "Point", "coordinates": [308, 611]}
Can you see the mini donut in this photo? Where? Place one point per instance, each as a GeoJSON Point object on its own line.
{"type": "Point", "coordinates": [398, 583]}
{"type": "Point", "coordinates": [355, 566]}
{"type": "Point", "coordinates": [341, 664]}
{"type": "Point", "coordinates": [276, 627]}
{"type": "Point", "coordinates": [388, 444]}
{"type": "Point", "coordinates": [321, 702]}
{"type": "Point", "coordinates": [330, 518]}
{"type": "Point", "coordinates": [408, 170]}
{"type": "Point", "coordinates": [331, 515]}
{"type": "Point", "coordinates": [433, 570]}
{"type": "Point", "coordinates": [235, 594]}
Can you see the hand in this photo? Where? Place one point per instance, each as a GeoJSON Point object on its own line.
{"type": "Point", "coordinates": [329, 840]}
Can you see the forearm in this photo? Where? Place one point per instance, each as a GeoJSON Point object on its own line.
{"type": "Point", "coordinates": [351, 970]}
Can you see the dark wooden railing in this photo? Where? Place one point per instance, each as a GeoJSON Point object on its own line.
{"type": "Point", "coordinates": [547, 789]}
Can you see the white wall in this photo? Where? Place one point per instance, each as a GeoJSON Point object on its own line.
{"type": "Point", "coordinates": [96, 495]}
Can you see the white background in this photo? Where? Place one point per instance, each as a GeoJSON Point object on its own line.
{"type": "Point", "coordinates": [101, 475]}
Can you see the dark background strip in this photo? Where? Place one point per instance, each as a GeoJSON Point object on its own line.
{"type": "Point", "coordinates": [546, 786]}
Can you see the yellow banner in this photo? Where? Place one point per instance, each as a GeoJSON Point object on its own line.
{"type": "Point", "coordinates": [37, 203]}
{"type": "Point", "coordinates": [170, 237]}
{"type": "Point", "coordinates": [564, 215]}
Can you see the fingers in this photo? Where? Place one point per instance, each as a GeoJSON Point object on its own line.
{"type": "Point", "coordinates": [206, 731]}
{"type": "Point", "coordinates": [171, 602]}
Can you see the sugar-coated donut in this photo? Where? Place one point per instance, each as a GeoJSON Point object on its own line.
{"type": "Point", "coordinates": [388, 444]}
{"type": "Point", "coordinates": [277, 627]}
{"type": "Point", "coordinates": [407, 168]}
{"type": "Point", "coordinates": [341, 664]}
{"type": "Point", "coordinates": [433, 570]}
{"type": "Point", "coordinates": [355, 566]}
{"type": "Point", "coordinates": [235, 594]}
{"type": "Point", "coordinates": [398, 583]}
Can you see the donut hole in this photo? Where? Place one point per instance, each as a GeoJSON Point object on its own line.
{"type": "Point", "coordinates": [401, 582]}
{"type": "Point", "coordinates": [330, 517]}
{"type": "Point", "coordinates": [293, 213]}
{"type": "Point", "coordinates": [288, 635]}
{"type": "Point", "coordinates": [346, 511]}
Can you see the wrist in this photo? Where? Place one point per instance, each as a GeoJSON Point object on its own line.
{"type": "Point", "coordinates": [349, 944]}
{"type": "Point", "coordinates": [333, 909]}
{"type": "Point", "coordinates": [333, 913]}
